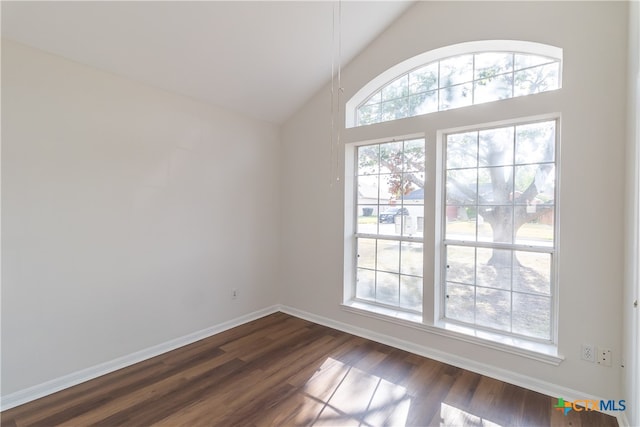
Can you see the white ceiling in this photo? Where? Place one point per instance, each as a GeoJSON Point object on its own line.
{"type": "Point", "coordinates": [262, 59]}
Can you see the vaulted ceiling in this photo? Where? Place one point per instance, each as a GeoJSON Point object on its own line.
{"type": "Point", "coordinates": [261, 59]}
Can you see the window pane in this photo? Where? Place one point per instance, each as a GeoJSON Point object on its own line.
{"type": "Point", "coordinates": [532, 272]}
{"type": "Point", "coordinates": [411, 222]}
{"type": "Point", "coordinates": [387, 218]}
{"type": "Point", "coordinates": [500, 224]}
{"type": "Point", "coordinates": [368, 190]}
{"type": "Point", "coordinates": [490, 64]}
{"type": "Point", "coordinates": [368, 211]}
{"type": "Point", "coordinates": [368, 159]}
{"type": "Point", "coordinates": [388, 256]}
{"type": "Point", "coordinates": [411, 292]}
{"type": "Point", "coordinates": [535, 80]}
{"type": "Point", "coordinates": [458, 69]}
{"type": "Point", "coordinates": [423, 103]}
{"type": "Point", "coordinates": [414, 157]}
{"type": "Point", "coordinates": [495, 185]}
{"type": "Point", "coordinates": [365, 284]}
{"type": "Point", "coordinates": [461, 262]}
{"type": "Point", "coordinates": [545, 180]}
{"type": "Point", "coordinates": [455, 96]}
{"type": "Point", "coordinates": [367, 253]}
{"type": "Point", "coordinates": [388, 288]}
{"type": "Point", "coordinates": [390, 187]}
{"type": "Point", "coordinates": [393, 110]}
{"type": "Point", "coordinates": [485, 232]}
{"type": "Point", "coordinates": [495, 146]}
{"type": "Point", "coordinates": [391, 157]}
{"type": "Point", "coordinates": [539, 230]}
{"type": "Point", "coordinates": [525, 191]}
{"type": "Point", "coordinates": [525, 61]}
{"type": "Point", "coordinates": [493, 89]}
{"type": "Point", "coordinates": [462, 150]}
{"type": "Point", "coordinates": [367, 219]}
{"type": "Point", "coordinates": [457, 216]}
{"type": "Point", "coordinates": [375, 99]}
{"type": "Point", "coordinates": [405, 224]}
{"type": "Point", "coordinates": [413, 189]}
{"type": "Point", "coordinates": [462, 187]}
{"type": "Point", "coordinates": [459, 302]}
{"type": "Point", "coordinates": [396, 89]}
{"type": "Point", "coordinates": [459, 228]}
{"type": "Point", "coordinates": [411, 258]}
{"type": "Point", "coordinates": [493, 268]}
{"type": "Point", "coordinates": [493, 308]}
{"type": "Point", "coordinates": [368, 114]}
{"type": "Point", "coordinates": [424, 79]}
{"type": "Point", "coordinates": [532, 315]}
{"type": "Point", "coordinates": [413, 180]}
{"type": "Point", "coordinates": [535, 142]}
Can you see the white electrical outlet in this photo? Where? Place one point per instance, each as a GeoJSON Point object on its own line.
{"type": "Point", "coordinates": [604, 357]}
{"type": "Point", "coordinates": [588, 353]}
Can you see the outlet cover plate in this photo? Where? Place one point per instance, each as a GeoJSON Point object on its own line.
{"type": "Point", "coordinates": [588, 353]}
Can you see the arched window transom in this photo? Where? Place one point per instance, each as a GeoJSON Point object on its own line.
{"type": "Point", "coordinates": [453, 81]}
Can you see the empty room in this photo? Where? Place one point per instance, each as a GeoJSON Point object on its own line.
{"type": "Point", "coordinates": [373, 213]}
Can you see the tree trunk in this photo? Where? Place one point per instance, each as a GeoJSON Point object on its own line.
{"type": "Point", "coordinates": [501, 257]}
{"type": "Point", "coordinates": [500, 220]}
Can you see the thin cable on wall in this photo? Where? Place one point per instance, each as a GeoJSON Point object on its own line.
{"type": "Point", "coordinates": [336, 90]}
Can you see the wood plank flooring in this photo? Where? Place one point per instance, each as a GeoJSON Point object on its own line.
{"type": "Point", "coordinates": [281, 370]}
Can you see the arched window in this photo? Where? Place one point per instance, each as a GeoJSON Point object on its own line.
{"type": "Point", "coordinates": [457, 76]}
{"type": "Point", "coordinates": [455, 228]}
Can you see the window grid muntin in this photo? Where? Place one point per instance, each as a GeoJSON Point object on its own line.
{"type": "Point", "coordinates": [438, 89]}
{"type": "Point", "coordinates": [513, 247]}
{"type": "Point", "coordinates": [551, 301]}
{"type": "Point", "coordinates": [377, 237]}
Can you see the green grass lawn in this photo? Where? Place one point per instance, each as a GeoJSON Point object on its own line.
{"type": "Point", "coordinates": [529, 231]}
{"type": "Point", "coordinates": [368, 219]}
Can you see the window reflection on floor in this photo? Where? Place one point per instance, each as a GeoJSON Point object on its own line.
{"type": "Point", "coordinates": [451, 416]}
{"type": "Point", "coordinates": [339, 394]}
{"type": "Point", "coordinates": [342, 395]}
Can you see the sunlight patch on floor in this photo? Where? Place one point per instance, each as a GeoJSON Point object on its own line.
{"type": "Point", "coordinates": [351, 396]}
{"type": "Point", "coordinates": [452, 416]}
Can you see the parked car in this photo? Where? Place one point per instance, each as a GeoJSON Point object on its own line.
{"type": "Point", "coordinates": [388, 216]}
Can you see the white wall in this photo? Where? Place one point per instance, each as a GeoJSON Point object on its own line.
{"type": "Point", "coordinates": [631, 338]}
{"type": "Point", "coordinates": [592, 102]}
{"type": "Point", "coordinates": [129, 213]}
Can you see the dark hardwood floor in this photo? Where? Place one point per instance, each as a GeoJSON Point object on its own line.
{"type": "Point", "coordinates": [281, 370]}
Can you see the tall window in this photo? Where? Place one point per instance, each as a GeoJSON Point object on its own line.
{"type": "Point", "coordinates": [457, 229]}
{"type": "Point", "coordinates": [390, 223]}
{"type": "Point", "coordinates": [499, 228]}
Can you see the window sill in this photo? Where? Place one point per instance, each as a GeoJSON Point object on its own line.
{"type": "Point", "coordinates": [546, 353]}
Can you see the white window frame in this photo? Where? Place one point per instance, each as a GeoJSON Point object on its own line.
{"type": "Point", "coordinates": [433, 127]}
{"type": "Point", "coordinates": [378, 236]}
{"type": "Point", "coordinates": [440, 297]}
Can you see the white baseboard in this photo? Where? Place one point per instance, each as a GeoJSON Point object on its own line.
{"type": "Point", "coordinates": [623, 421]}
{"type": "Point", "coordinates": [549, 389]}
{"type": "Point", "coordinates": [40, 390]}
{"type": "Point", "coordinates": [49, 387]}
